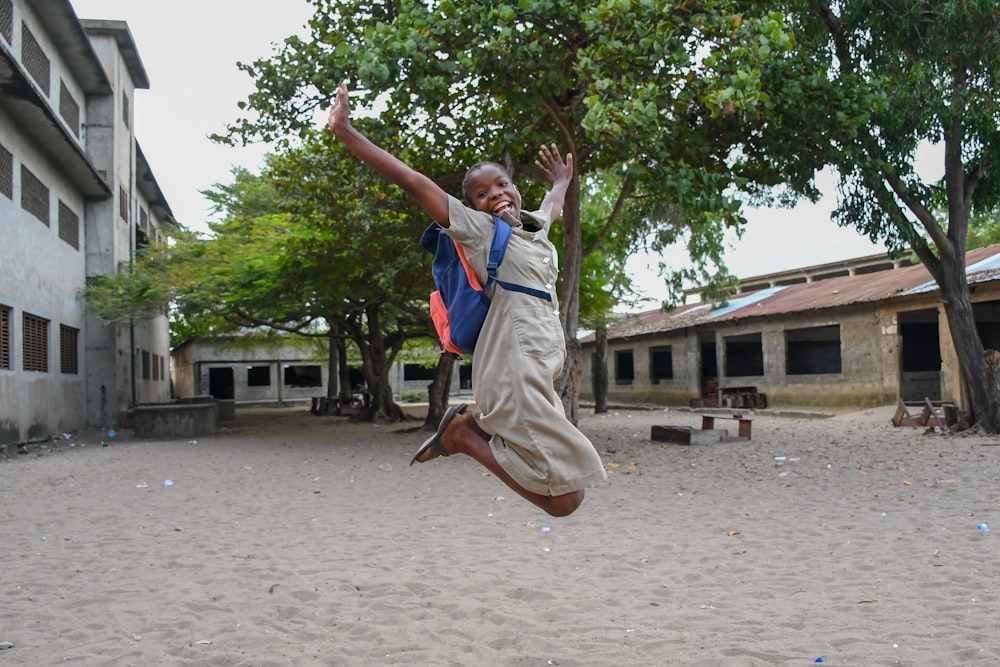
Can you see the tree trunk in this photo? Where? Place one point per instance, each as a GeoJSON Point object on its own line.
{"type": "Point", "coordinates": [992, 360]}
{"type": "Point", "coordinates": [439, 390]}
{"type": "Point", "coordinates": [601, 369]}
{"type": "Point", "coordinates": [570, 379]}
{"type": "Point", "coordinates": [982, 404]}
{"type": "Point", "coordinates": [568, 384]}
{"type": "Point", "coordinates": [332, 364]}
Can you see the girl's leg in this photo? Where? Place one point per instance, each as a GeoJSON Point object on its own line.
{"type": "Point", "coordinates": [463, 435]}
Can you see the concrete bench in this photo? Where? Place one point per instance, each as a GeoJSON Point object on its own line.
{"type": "Point", "coordinates": [708, 423]}
{"type": "Point", "coordinates": [175, 420]}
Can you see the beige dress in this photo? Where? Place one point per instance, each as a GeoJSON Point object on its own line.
{"type": "Point", "coordinates": [518, 357]}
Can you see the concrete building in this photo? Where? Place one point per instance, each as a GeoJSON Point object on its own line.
{"type": "Point", "coordinates": [77, 197]}
{"type": "Point", "coordinates": [282, 373]}
{"type": "Point", "coordinates": [859, 338]}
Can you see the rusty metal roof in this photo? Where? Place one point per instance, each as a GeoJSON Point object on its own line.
{"type": "Point", "coordinates": [983, 265]}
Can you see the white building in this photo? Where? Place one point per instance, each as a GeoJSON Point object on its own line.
{"type": "Point", "coordinates": [77, 197]}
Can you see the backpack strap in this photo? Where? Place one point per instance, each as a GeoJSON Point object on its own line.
{"type": "Point", "coordinates": [498, 249]}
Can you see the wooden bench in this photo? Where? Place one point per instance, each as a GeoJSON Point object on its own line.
{"type": "Point", "coordinates": [708, 423]}
{"type": "Point", "coordinates": [931, 413]}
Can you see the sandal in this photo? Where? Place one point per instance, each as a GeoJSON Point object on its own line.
{"type": "Point", "coordinates": [433, 443]}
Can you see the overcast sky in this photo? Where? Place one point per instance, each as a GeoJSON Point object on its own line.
{"type": "Point", "coordinates": [190, 50]}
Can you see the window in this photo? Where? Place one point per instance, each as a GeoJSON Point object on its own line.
{"type": "Point", "coordinates": [69, 108]}
{"type": "Point", "coordinates": [661, 364]}
{"type": "Point", "coordinates": [69, 356]}
{"type": "Point", "coordinates": [5, 338]}
{"type": "Point", "coordinates": [813, 351]}
{"type": "Point", "coordinates": [36, 344]}
{"type": "Point", "coordinates": [69, 225]}
{"type": "Point", "coordinates": [122, 203]}
{"type": "Point", "coordinates": [34, 195]}
{"type": "Point", "coordinates": [744, 355]}
{"type": "Point", "coordinates": [6, 173]}
{"type": "Point", "coordinates": [145, 365]}
{"type": "Point", "coordinates": [624, 367]}
{"type": "Point", "coordinates": [143, 219]}
{"type": "Point", "coordinates": [303, 376]}
{"type": "Point", "coordinates": [34, 59]}
{"type": "Point", "coordinates": [417, 372]}
{"type": "Point", "coordinates": [7, 20]}
{"type": "Point", "coordinates": [258, 376]}
{"type": "Point", "coordinates": [156, 367]}
{"type": "Point", "coordinates": [125, 108]}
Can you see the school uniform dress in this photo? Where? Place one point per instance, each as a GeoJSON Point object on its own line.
{"type": "Point", "coordinates": [519, 355]}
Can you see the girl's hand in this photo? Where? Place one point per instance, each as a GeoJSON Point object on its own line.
{"type": "Point", "coordinates": [340, 112]}
{"type": "Point", "coordinates": [553, 166]}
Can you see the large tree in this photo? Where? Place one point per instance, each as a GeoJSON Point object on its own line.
{"type": "Point", "coordinates": [867, 84]}
{"type": "Point", "coordinates": [653, 89]}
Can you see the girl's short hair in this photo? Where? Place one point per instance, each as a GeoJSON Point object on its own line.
{"type": "Point", "coordinates": [472, 170]}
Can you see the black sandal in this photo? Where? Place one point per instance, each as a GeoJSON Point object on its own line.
{"type": "Point", "coordinates": [433, 443]}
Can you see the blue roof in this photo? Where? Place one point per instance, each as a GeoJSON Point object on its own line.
{"type": "Point", "coordinates": [744, 300]}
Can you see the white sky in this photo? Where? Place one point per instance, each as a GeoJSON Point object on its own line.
{"type": "Point", "coordinates": [190, 50]}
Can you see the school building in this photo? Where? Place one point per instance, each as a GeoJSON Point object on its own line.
{"type": "Point", "coordinates": [860, 333]}
{"type": "Point", "coordinates": [77, 198]}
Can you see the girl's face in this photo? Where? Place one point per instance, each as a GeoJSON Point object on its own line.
{"type": "Point", "coordinates": [491, 190]}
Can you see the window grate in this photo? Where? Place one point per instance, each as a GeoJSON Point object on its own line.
{"type": "Point", "coordinates": [36, 344]}
{"type": "Point", "coordinates": [6, 173]}
{"type": "Point", "coordinates": [5, 338]}
{"type": "Point", "coordinates": [34, 195]}
{"type": "Point", "coordinates": [7, 20]}
{"type": "Point", "coordinates": [69, 225]}
{"type": "Point", "coordinates": [34, 59]}
{"type": "Point", "coordinates": [69, 358]}
{"type": "Point", "coordinates": [122, 203]}
{"type": "Point", "coordinates": [69, 108]}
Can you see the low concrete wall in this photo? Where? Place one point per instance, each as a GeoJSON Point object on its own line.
{"type": "Point", "coordinates": [176, 420]}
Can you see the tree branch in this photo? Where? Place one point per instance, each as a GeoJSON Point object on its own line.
{"type": "Point", "coordinates": [627, 187]}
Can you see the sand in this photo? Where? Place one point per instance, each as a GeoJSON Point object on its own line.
{"type": "Point", "coordinates": [293, 539]}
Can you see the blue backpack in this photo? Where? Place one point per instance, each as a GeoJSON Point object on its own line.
{"type": "Point", "coordinates": [460, 303]}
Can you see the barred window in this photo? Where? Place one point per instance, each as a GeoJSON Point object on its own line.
{"type": "Point", "coordinates": [7, 20]}
{"type": "Point", "coordinates": [34, 195]}
{"type": "Point", "coordinates": [69, 108]}
{"type": "Point", "coordinates": [6, 172]}
{"type": "Point", "coordinates": [125, 108]}
{"type": "Point", "coordinates": [123, 203]}
{"type": "Point", "coordinates": [34, 59]}
{"type": "Point", "coordinates": [69, 357]}
{"type": "Point", "coordinates": [36, 343]}
{"type": "Point", "coordinates": [69, 225]}
{"type": "Point", "coordinates": [5, 338]}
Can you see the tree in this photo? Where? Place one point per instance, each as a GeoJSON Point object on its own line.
{"type": "Point", "coordinates": [866, 84]}
{"type": "Point", "coordinates": [653, 89]}
{"type": "Point", "coordinates": [293, 254]}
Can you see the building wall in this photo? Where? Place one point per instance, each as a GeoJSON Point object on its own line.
{"type": "Point", "coordinates": [89, 376]}
{"type": "Point", "coordinates": [194, 361]}
{"type": "Point", "coordinates": [868, 357]}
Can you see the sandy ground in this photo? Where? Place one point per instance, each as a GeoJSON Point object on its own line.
{"type": "Point", "coordinates": [292, 539]}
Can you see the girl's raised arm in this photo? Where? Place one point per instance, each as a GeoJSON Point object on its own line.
{"type": "Point", "coordinates": [426, 192]}
{"type": "Point", "coordinates": [559, 173]}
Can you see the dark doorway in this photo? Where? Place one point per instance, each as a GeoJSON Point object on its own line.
{"type": "Point", "coordinates": [220, 383]}
{"type": "Point", "coordinates": [709, 374]}
{"type": "Point", "coordinates": [920, 356]}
